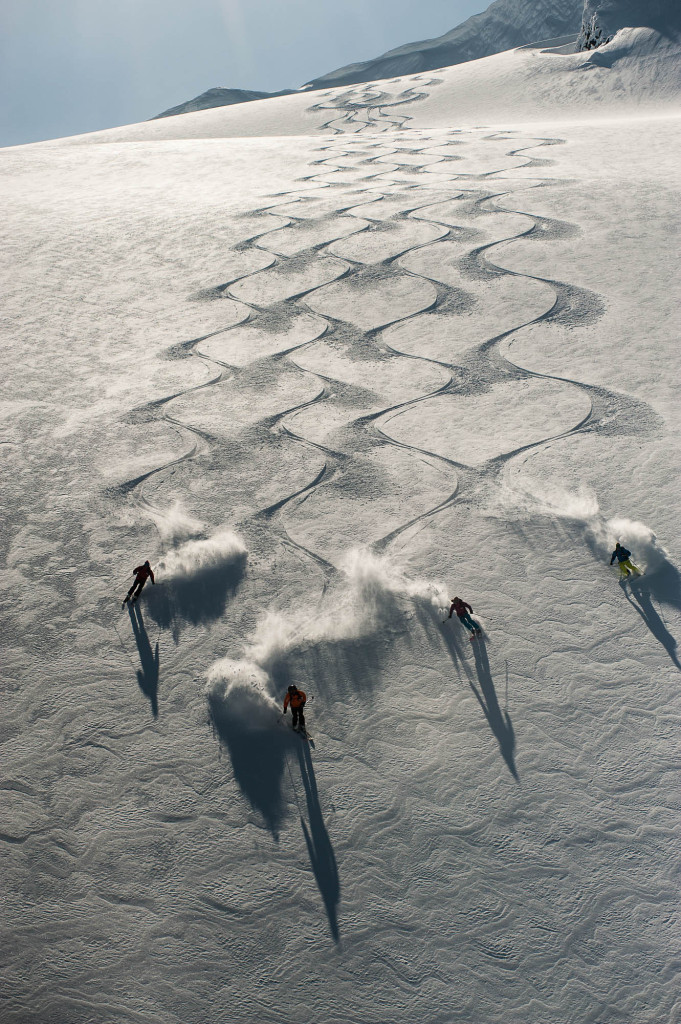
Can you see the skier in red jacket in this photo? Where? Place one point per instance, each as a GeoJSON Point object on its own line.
{"type": "Point", "coordinates": [142, 574]}
{"type": "Point", "coordinates": [462, 609]}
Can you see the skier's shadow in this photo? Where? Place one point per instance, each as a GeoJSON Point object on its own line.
{"type": "Point", "coordinates": [322, 857]}
{"type": "Point", "coordinates": [448, 633]}
{"type": "Point", "coordinates": [147, 676]}
{"type": "Point", "coordinates": [499, 721]}
{"type": "Point", "coordinates": [642, 603]}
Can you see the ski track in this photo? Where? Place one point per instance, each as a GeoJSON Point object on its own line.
{"type": "Point", "coordinates": [375, 163]}
{"type": "Point", "coordinates": [360, 110]}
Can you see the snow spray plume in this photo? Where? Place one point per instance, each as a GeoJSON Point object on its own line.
{"type": "Point", "coordinates": [377, 585]}
{"type": "Point", "coordinates": [196, 580]}
{"type": "Point", "coordinates": [176, 525]}
{"type": "Point", "coordinates": [581, 504]}
{"type": "Point", "coordinates": [357, 610]}
{"type": "Point", "coordinates": [200, 556]}
{"type": "Point", "coordinates": [602, 534]}
{"type": "Point", "coordinates": [368, 603]}
{"type": "Point", "coordinates": [245, 719]}
{"type": "Point", "coordinates": [374, 583]}
{"type": "Point", "coordinates": [243, 689]}
{"type": "Point", "coordinates": [275, 635]}
{"type": "Point", "coordinates": [238, 698]}
{"type": "Point", "coordinates": [637, 537]}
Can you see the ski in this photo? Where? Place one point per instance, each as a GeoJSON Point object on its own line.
{"type": "Point", "coordinates": [304, 734]}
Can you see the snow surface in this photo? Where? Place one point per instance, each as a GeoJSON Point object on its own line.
{"type": "Point", "coordinates": [325, 382]}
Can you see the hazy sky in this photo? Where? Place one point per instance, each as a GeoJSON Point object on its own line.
{"type": "Point", "coordinates": [71, 66]}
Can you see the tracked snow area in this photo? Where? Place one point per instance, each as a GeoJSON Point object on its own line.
{"type": "Point", "coordinates": [325, 383]}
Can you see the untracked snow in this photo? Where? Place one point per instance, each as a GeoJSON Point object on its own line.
{"type": "Point", "coordinates": [329, 361]}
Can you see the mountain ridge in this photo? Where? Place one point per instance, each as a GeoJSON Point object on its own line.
{"type": "Point", "coordinates": [219, 97]}
{"type": "Point", "coordinates": [504, 25]}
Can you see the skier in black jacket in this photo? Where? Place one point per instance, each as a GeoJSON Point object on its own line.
{"type": "Point", "coordinates": [142, 574]}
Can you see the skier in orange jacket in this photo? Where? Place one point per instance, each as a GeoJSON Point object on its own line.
{"type": "Point", "coordinates": [296, 698]}
{"type": "Point", "coordinates": [142, 574]}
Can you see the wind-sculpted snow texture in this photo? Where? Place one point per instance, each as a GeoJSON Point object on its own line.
{"type": "Point", "coordinates": [405, 368]}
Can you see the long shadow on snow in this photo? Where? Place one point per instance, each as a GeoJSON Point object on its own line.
{"type": "Point", "coordinates": [447, 633]}
{"type": "Point", "coordinates": [147, 676]}
{"type": "Point", "coordinates": [641, 601]}
{"type": "Point", "coordinates": [499, 721]}
{"type": "Point", "coordinates": [664, 584]}
{"type": "Point", "coordinates": [199, 597]}
{"type": "Point", "coordinates": [322, 857]}
{"type": "Point", "coordinates": [258, 754]}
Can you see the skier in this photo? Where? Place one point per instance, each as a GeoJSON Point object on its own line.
{"type": "Point", "coordinates": [296, 698]}
{"type": "Point", "coordinates": [462, 609]}
{"type": "Point", "coordinates": [624, 558]}
{"type": "Point", "coordinates": [142, 574]}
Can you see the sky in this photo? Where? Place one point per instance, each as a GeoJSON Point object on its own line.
{"type": "Point", "coordinates": [76, 66]}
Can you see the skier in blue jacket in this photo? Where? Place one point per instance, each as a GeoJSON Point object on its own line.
{"type": "Point", "coordinates": [623, 556]}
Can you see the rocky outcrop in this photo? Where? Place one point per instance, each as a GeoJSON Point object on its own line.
{"type": "Point", "coordinates": [664, 16]}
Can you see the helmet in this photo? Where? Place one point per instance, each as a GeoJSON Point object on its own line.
{"type": "Point", "coordinates": [292, 689]}
{"type": "Point", "coordinates": [147, 562]}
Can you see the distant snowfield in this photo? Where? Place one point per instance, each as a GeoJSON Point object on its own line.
{"type": "Point", "coordinates": [427, 345]}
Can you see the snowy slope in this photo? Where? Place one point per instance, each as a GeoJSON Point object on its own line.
{"type": "Point", "coordinates": [324, 383]}
{"type": "Point", "coordinates": [637, 71]}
